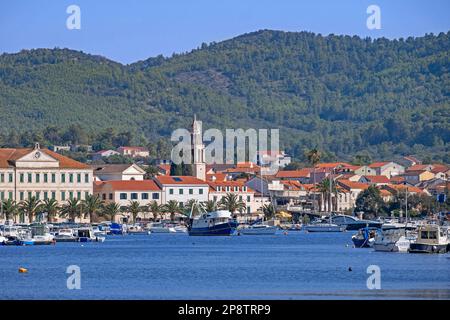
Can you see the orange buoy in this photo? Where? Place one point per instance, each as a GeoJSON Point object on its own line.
{"type": "Point", "coordinates": [23, 270]}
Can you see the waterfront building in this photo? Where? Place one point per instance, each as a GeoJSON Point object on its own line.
{"type": "Point", "coordinates": [108, 172]}
{"type": "Point", "coordinates": [44, 174]}
{"type": "Point", "coordinates": [182, 188]}
{"type": "Point", "coordinates": [301, 175]}
{"type": "Point", "coordinates": [124, 191]}
{"type": "Point", "coordinates": [219, 189]}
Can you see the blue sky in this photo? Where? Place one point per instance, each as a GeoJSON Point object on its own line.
{"type": "Point", "coordinates": [127, 31]}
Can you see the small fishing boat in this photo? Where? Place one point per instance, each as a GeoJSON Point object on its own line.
{"type": "Point", "coordinates": [159, 227]}
{"type": "Point", "coordinates": [364, 238]}
{"type": "Point", "coordinates": [431, 238]}
{"type": "Point", "coordinates": [41, 234]}
{"type": "Point", "coordinates": [353, 223]}
{"type": "Point", "coordinates": [393, 238]}
{"type": "Point", "coordinates": [86, 234]}
{"type": "Point", "coordinates": [65, 235]}
{"type": "Point", "coordinates": [135, 229]}
{"type": "Point", "coordinates": [258, 229]}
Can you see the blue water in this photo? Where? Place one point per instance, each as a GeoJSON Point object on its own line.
{"type": "Point", "coordinates": [176, 266]}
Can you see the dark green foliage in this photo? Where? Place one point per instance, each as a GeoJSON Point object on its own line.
{"type": "Point", "coordinates": [340, 94]}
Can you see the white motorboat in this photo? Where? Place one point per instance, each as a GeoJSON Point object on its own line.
{"type": "Point", "coordinates": [323, 227]}
{"type": "Point", "coordinates": [393, 238]}
{"type": "Point", "coordinates": [161, 228]}
{"type": "Point", "coordinates": [431, 238]}
{"type": "Point", "coordinates": [258, 229]}
{"type": "Point", "coordinates": [86, 234]}
{"type": "Point", "coordinates": [181, 229]}
{"type": "Point", "coordinates": [65, 235]}
{"type": "Point", "coordinates": [41, 234]}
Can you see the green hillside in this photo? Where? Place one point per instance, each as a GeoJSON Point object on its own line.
{"type": "Point", "coordinates": [343, 94]}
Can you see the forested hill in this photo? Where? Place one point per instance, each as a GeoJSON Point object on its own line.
{"type": "Point", "coordinates": [343, 94]}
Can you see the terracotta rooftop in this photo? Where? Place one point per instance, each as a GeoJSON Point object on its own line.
{"type": "Point", "coordinates": [9, 155]}
{"type": "Point", "coordinates": [130, 185]}
{"type": "Point", "coordinates": [353, 185]}
{"type": "Point", "coordinates": [377, 179]}
{"type": "Point", "coordinates": [378, 164]}
{"type": "Point", "coordinates": [180, 180]}
{"type": "Point", "coordinates": [302, 173]}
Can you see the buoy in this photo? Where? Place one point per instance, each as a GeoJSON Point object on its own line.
{"type": "Point", "coordinates": [349, 268]}
{"type": "Point", "coordinates": [23, 270]}
{"type": "Point", "coordinates": [346, 245]}
{"type": "Point", "coordinates": [285, 233]}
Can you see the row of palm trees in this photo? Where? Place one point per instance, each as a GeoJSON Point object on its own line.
{"type": "Point", "coordinates": [94, 208]}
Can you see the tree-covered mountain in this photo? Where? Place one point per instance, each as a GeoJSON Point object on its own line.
{"type": "Point", "coordinates": [343, 94]}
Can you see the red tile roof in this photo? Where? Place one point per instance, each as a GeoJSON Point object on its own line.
{"type": "Point", "coordinates": [130, 185]}
{"type": "Point", "coordinates": [180, 180]}
{"type": "Point", "coordinates": [378, 164]}
{"type": "Point", "coordinates": [332, 165]}
{"type": "Point", "coordinates": [353, 185]}
{"type": "Point", "coordinates": [377, 179]}
{"type": "Point", "coordinates": [8, 155]}
{"type": "Point", "coordinates": [302, 173]}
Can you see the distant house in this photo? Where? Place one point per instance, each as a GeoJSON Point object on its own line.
{"type": "Point", "coordinates": [182, 188]}
{"type": "Point", "coordinates": [375, 180]}
{"type": "Point", "coordinates": [365, 171]}
{"type": "Point", "coordinates": [301, 175]}
{"type": "Point", "coordinates": [408, 161]}
{"type": "Point", "coordinates": [60, 148]}
{"type": "Point", "coordinates": [388, 169]}
{"type": "Point", "coordinates": [414, 177]}
{"type": "Point", "coordinates": [164, 169]}
{"type": "Point", "coordinates": [81, 147]}
{"type": "Point", "coordinates": [134, 152]}
{"type": "Point", "coordinates": [219, 189]}
{"type": "Point", "coordinates": [108, 172]}
{"type": "Point", "coordinates": [400, 188]}
{"type": "Point", "coordinates": [104, 154]}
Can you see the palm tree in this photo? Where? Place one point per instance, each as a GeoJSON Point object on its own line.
{"type": "Point", "coordinates": [155, 209]}
{"type": "Point", "coordinates": [210, 205]}
{"type": "Point", "coordinates": [10, 209]}
{"type": "Point", "coordinates": [173, 208]}
{"type": "Point", "coordinates": [232, 203]}
{"type": "Point", "coordinates": [313, 156]}
{"type": "Point", "coordinates": [92, 205]}
{"type": "Point", "coordinates": [30, 207]}
{"type": "Point", "coordinates": [324, 188]}
{"type": "Point", "coordinates": [134, 208]}
{"type": "Point", "coordinates": [72, 209]}
{"type": "Point", "coordinates": [269, 211]}
{"type": "Point", "coordinates": [111, 210]}
{"type": "Point", "coordinates": [51, 207]}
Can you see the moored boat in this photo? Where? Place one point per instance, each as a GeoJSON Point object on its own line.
{"type": "Point", "coordinates": [258, 229]}
{"type": "Point", "coordinates": [159, 227]}
{"type": "Point", "coordinates": [393, 238]}
{"type": "Point", "coordinates": [431, 238]}
{"type": "Point", "coordinates": [323, 227]}
{"type": "Point", "coordinates": [364, 238]}
{"type": "Point", "coordinates": [215, 223]}
{"type": "Point", "coordinates": [65, 235]}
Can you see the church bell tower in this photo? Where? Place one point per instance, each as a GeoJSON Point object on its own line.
{"type": "Point", "coordinates": [198, 150]}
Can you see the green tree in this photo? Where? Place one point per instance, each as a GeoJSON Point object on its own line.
{"type": "Point", "coordinates": [51, 207]}
{"type": "Point", "coordinates": [111, 210]}
{"type": "Point", "coordinates": [72, 209]}
{"type": "Point", "coordinates": [232, 203]}
{"type": "Point", "coordinates": [370, 202]}
{"type": "Point", "coordinates": [156, 209]}
{"type": "Point", "coordinates": [30, 208]}
{"type": "Point", "coordinates": [92, 205]}
{"type": "Point", "coordinates": [173, 208]}
{"type": "Point", "coordinates": [10, 209]}
{"type": "Point", "coordinates": [134, 208]}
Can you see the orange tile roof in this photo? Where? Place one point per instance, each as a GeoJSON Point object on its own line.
{"type": "Point", "coordinates": [180, 180]}
{"type": "Point", "coordinates": [9, 154]}
{"type": "Point", "coordinates": [353, 184]}
{"type": "Point", "coordinates": [332, 165]}
{"type": "Point", "coordinates": [130, 185]}
{"type": "Point", "coordinates": [439, 168]}
{"type": "Point", "coordinates": [401, 187]}
{"type": "Point", "coordinates": [377, 179]}
{"type": "Point", "coordinates": [418, 167]}
{"type": "Point", "coordinates": [302, 173]}
{"type": "Point", "coordinates": [378, 164]}
{"type": "Point", "coordinates": [218, 176]}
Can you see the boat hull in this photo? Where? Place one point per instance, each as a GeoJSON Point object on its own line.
{"type": "Point", "coordinates": [258, 231]}
{"type": "Point", "coordinates": [324, 228]}
{"type": "Point", "coordinates": [361, 243]}
{"type": "Point", "coordinates": [223, 229]}
{"type": "Point", "coordinates": [428, 248]}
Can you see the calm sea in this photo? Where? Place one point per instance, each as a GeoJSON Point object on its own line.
{"type": "Point", "coordinates": [176, 266]}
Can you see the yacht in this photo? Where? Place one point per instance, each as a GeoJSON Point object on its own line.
{"type": "Point", "coordinates": [159, 227]}
{"type": "Point", "coordinates": [394, 238]}
{"type": "Point", "coordinates": [353, 223]}
{"type": "Point", "coordinates": [181, 229]}
{"type": "Point", "coordinates": [215, 223]}
{"type": "Point", "coordinates": [135, 229]}
{"type": "Point", "coordinates": [323, 226]}
{"type": "Point", "coordinates": [258, 229]}
{"type": "Point", "coordinates": [431, 238]}
{"type": "Point", "coordinates": [65, 235]}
